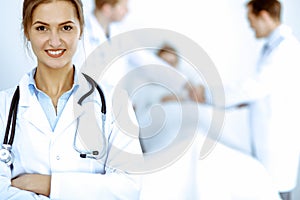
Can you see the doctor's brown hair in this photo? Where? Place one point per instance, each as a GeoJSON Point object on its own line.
{"type": "Point", "coordinates": [30, 5]}
{"type": "Point", "coordinates": [273, 7]}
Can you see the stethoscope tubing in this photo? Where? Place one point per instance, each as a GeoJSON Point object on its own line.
{"type": "Point", "coordinates": [12, 118]}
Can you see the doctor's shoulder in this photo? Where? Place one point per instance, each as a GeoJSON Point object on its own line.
{"type": "Point", "coordinates": [5, 101]}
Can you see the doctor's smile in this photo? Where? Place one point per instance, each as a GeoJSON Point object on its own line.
{"type": "Point", "coordinates": [60, 136]}
{"type": "Point", "coordinates": [54, 35]}
{"type": "Point", "coordinates": [55, 53]}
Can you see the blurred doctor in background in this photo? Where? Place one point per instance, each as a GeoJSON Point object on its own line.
{"type": "Point", "coordinates": [101, 27]}
{"type": "Point", "coordinates": [271, 96]}
{"type": "Point", "coordinates": [99, 23]}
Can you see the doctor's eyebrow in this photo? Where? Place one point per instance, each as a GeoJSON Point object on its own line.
{"type": "Point", "coordinates": [46, 24]}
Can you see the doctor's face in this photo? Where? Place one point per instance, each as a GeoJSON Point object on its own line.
{"type": "Point", "coordinates": [54, 34]}
{"type": "Point", "coordinates": [257, 23]}
{"type": "Point", "coordinates": [119, 10]}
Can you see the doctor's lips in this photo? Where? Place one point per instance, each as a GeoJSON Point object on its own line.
{"type": "Point", "coordinates": [55, 53]}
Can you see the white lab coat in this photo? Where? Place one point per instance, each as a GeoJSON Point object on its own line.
{"type": "Point", "coordinates": [274, 110]}
{"type": "Point", "coordinates": [38, 149]}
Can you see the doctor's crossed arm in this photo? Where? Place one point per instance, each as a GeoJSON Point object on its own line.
{"type": "Point", "coordinates": [37, 183]}
{"type": "Point", "coordinates": [44, 154]}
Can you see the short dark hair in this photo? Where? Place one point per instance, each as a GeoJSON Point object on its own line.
{"type": "Point", "coordinates": [273, 7]}
{"type": "Point", "coordinates": [99, 3]}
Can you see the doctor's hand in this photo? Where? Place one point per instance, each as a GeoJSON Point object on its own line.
{"type": "Point", "coordinates": [197, 93]}
{"type": "Point", "coordinates": [37, 183]}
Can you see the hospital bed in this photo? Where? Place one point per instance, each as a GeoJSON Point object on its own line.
{"type": "Point", "coordinates": [223, 173]}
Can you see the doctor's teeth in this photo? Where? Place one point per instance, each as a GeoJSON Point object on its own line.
{"type": "Point", "coordinates": [55, 52]}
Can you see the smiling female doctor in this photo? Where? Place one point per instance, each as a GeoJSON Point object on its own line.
{"type": "Point", "coordinates": [43, 157]}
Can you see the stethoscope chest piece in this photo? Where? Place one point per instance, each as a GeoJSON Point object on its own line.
{"type": "Point", "coordinates": [6, 155]}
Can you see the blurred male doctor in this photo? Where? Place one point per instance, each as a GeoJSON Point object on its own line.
{"type": "Point", "coordinates": [272, 96]}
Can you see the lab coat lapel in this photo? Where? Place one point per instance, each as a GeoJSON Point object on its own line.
{"type": "Point", "coordinates": [73, 110]}
{"type": "Point", "coordinates": [33, 113]}
{"type": "Point", "coordinates": [70, 113]}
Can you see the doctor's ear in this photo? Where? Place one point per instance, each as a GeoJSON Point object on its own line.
{"type": "Point", "coordinates": [26, 37]}
{"type": "Point", "coordinates": [264, 14]}
{"type": "Point", "coordinates": [81, 35]}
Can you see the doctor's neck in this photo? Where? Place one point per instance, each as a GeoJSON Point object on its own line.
{"type": "Point", "coordinates": [54, 82]}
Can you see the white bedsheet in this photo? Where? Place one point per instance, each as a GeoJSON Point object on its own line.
{"type": "Point", "coordinates": [225, 173]}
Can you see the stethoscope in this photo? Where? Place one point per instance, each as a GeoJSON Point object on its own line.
{"type": "Point", "coordinates": [7, 156]}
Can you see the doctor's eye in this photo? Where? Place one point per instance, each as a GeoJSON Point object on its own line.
{"type": "Point", "coordinates": [41, 28]}
{"type": "Point", "coordinates": [67, 28]}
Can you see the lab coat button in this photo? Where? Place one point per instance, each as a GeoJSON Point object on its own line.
{"type": "Point", "coordinates": [57, 157]}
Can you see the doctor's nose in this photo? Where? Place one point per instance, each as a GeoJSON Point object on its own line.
{"type": "Point", "coordinates": [55, 39]}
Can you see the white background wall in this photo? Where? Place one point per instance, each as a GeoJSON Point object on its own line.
{"type": "Point", "coordinates": [220, 27]}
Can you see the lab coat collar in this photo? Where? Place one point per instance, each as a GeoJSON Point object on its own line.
{"type": "Point", "coordinates": [68, 117]}
{"type": "Point", "coordinates": [35, 114]}
{"type": "Point", "coordinates": [281, 31]}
